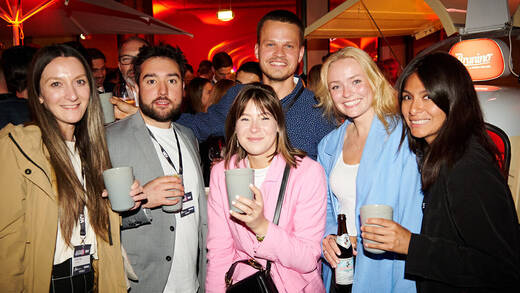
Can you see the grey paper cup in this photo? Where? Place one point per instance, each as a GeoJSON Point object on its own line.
{"type": "Point", "coordinates": [108, 108]}
{"type": "Point", "coordinates": [118, 182]}
{"type": "Point", "coordinates": [237, 183]}
{"type": "Point", "coordinates": [375, 211]}
{"type": "Point", "coordinates": [176, 207]}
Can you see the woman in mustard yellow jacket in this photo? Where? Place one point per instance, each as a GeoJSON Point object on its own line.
{"type": "Point", "coordinates": [57, 233]}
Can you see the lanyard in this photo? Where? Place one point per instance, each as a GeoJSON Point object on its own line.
{"type": "Point", "coordinates": [298, 94]}
{"type": "Point", "coordinates": [165, 154]}
{"type": "Point", "coordinates": [82, 227]}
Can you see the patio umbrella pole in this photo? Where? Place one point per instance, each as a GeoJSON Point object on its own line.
{"type": "Point", "coordinates": [16, 34]}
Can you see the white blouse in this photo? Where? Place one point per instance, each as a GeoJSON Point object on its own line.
{"type": "Point", "coordinates": [343, 184]}
{"type": "Point", "coordinates": [63, 251]}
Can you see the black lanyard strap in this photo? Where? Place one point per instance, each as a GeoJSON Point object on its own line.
{"type": "Point", "coordinates": [298, 94]}
{"type": "Point", "coordinates": [165, 154]}
{"type": "Point", "coordinates": [82, 227]}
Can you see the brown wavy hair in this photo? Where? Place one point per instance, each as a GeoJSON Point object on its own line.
{"type": "Point", "coordinates": [90, 143]}
{"type": "Point", "coordinates": [265, 99]}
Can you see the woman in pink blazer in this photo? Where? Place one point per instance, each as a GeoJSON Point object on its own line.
{"type": "Point", "coordinates": [257, 138]}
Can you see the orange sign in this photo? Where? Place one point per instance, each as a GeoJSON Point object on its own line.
{"type": "Point", "coordinates": [483, 58]}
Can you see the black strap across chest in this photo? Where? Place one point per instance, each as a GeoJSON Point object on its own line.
{"type": "Point", "coordinates": [166, 155]}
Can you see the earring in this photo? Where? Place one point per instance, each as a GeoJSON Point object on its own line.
{"type": "Point", "coordinates": [238, 145]}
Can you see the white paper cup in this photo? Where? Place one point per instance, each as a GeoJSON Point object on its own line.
{"type": "Point", "coordinates": [118, 182]}
{"type": "Point", "coordinates": [375, 211]}
{"type": "Point", "coordinates": [237, 183]}
{"type": "Point", "coordinates": [107, 107]}
{"type": "Point", "coordinates": [175, 208]}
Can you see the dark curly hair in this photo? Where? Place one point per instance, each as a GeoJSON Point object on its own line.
{"type": "Point", "coordinates": [162, 50]}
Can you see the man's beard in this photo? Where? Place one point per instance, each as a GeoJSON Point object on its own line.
{"type": "Point", "coordinates": [280, 76]}
{"type": "Point", "coordinates": [149, 111]}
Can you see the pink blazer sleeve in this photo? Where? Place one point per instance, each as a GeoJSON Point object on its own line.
{"type": "Point", "coordinates": [298, 244]}
{"type": "Point", "coordinates": [220, 246]}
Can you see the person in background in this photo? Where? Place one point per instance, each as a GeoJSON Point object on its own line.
{"type": "Point", "coordinates": [167, 250]}
{"type": "Point", "coordinates": [222, 67]}
{"type": "Point", "coordinates": [189, 75]}
{"type": "Point", "coordinates": [198, 94]}
{"type": "Point", "coordinates": [249, 72]}
{"type": "Point", "coordinates": [390, 68]}
{"type": "Point", "coordinates": [313, 80]}
{"type": "Point", "coordinates": [14, 66]}
{"type": "Point", "coordinates": [469, 239]}
{"type": "Point", "coordinates": [78, 47]}
{"type": "Point", "coordinates": [366, 162]}
{"type": "Point", "coordinates": [113, 76]}
{"type": "Point", "coordinates": [257, 138]}
{"type": "Point", "coordinates": [218, 91]}
{"type": "Point", "coordinates": [97, 64]}
{"type": "Point", "coordinates": [53, 211]}
{"type": "Point", "coordinates": [205, 70]}
{"type": "Point", "coordinates": [212, 148]}
{"type": "Point", "coordinates": [127, 90]}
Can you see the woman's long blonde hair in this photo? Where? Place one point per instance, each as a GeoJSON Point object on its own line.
{"type": "Point", "coordinates": [385, 97]}
{"type": "Point", "coordinates": [90, 143]}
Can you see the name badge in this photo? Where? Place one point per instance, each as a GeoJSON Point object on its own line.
{"type": "Point", "coordinates": [187, 211]}
{"type": "Point", "coordinates": [81, 260]}
{"type": "Point", "coordinates": [187, 197]}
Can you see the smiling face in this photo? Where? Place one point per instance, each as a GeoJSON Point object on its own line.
{"type": "Point", "coordinates": [279, 50]}
{"type": "Point", "coordinates": [160, 91]}
{"type": "Point", "coordinates": [350, 89]}
{"type": "Point", "coordinates": [256, 131]}
{"type": "Point", "coordinates": [423, 117]}
{"type": "Point", "coordinates": [65, 92]}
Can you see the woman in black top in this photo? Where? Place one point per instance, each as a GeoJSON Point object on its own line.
{"type": "Point", "coordinates": [470, 239]}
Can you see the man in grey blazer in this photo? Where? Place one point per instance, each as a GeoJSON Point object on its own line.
{"type": "Point", "coordinates": [167, 250]}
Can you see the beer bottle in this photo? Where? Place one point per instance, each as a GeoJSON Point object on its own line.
{"type": "Point", "coordinates": [344, 272]}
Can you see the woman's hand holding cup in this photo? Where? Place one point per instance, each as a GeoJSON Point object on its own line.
{"type": "Point", "coordinates": [253, 209]}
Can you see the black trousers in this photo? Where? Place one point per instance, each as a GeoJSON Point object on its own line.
{"type": "Point", "coordinates": [62, 280]}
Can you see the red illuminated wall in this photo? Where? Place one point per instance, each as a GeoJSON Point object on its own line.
{"type": "Point", "coordinates": [236, 37]}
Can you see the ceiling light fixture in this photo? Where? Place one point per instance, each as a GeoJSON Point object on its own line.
{"type": "Point", "coordinates": [225, 14]}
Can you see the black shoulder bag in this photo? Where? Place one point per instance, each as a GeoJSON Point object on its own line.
{"type": "Point", "coordinates": [261, 281]}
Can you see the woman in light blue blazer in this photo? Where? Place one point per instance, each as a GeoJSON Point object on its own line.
{"type": "Point", "coordinates": [366, 162]}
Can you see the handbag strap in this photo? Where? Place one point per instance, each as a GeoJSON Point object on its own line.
{"type": "Point", "coordinates": [252, 262]}
{"type": "Point", "coordinates": [281, 194]}
{"type": "Point", "coordinates": [279, 203]}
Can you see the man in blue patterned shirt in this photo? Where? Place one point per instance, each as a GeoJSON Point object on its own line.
{"type": "Point", "coordinates": [279, 49]}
